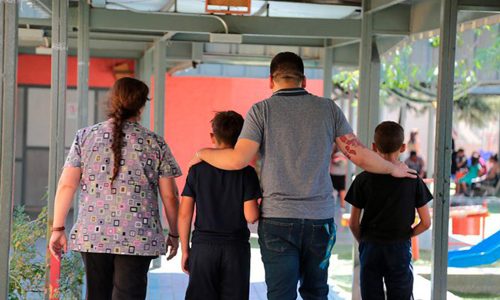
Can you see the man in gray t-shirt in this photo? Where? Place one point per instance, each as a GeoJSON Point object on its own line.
{"type": "Point", "coordinates": [294, 133]}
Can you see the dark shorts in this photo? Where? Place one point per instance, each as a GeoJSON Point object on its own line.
{"type": "Point", "coordinates": [219, 272]}
{"type": "Point", "coordinates": [338, 182]}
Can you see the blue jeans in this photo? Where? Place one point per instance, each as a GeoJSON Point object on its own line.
{"type": "Point", "coordinates": [389, 264]}
{"type": "Point", "coordinates": [296, 250]}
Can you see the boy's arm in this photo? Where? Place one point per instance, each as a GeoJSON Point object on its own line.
{"type": "Point", "coordinates": [186, 212]}
{"type": "Point", "coordinates": [425, 220]}
{"type": "Point", "coordinates": [354, 222]}
{"type": "Point", "coordinates": [251, 210]}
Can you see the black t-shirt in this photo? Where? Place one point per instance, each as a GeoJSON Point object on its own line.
{"type": "Point", "coordinates": [219, 196]}
{"type": "Point", "coordinates": [388, 205]}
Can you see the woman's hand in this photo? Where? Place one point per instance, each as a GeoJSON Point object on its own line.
{"type": "Point", "coordinates": [185, 261]}
{"type": "Point", "coordinates": [58, 244]}
{"type": "Point", "coordinates": [173, 244]}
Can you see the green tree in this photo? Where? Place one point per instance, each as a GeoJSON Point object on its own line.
{"type": "Point", "coordinates": [408, 84]}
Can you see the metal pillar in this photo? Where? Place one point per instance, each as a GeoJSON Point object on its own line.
{"type": "Point", "coordinates": [159, 69]}
{"type": "Point", "coordinates": [442, 171]}
{"type": "Point", "coordinates": [146, 71]}
{"type": "Point", "coordinates": [369, 82]}
{"type": "Point", "coordinates": [431, 134]}
{"type": "Point", "coordinates": [327, 72]}
{"type": "Point", "coordinates": [83, 63]}
{"type": "Point", "coordinates": [8, 89]}
{"type": "Point", "coordinates": [83, 75]}
{"type": "Point", "coordinates": [57, 114]}
{"type": "Point", "coordinates": [159, 66]}
{"type": "Point", "coordinates": [368, 103]}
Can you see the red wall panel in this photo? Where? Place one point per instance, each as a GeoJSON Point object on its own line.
{"type": "Point", "coordinates": [35, 70]}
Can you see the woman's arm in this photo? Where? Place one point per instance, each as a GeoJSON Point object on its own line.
{"type": "Point", "coordinates": [66, 188]}
{"type": "Point", "coordinates": [170, 198]}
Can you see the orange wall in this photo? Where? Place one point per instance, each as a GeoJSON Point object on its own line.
{"type": "Point", "coordinates": [35, 70]}
{"type": "Point", "coordinates": [190, 101]}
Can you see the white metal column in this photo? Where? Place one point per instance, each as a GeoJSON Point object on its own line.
{"type": "Point", "coordinates": [8, 91]}
{"type": "Point", "coordinates": [57, 111]}
{"type": "Point", "coordinates": [83, 76]}
{"type": "Point", "coordinates": [368, 104]}
{"type": "Point", "coordinates": [327, 72]}
{"type": "Point", "coordinates": [146, 71]}
{"type": "Point", "coordinates": [442, 171]}
{"type": "Point", "coordinates": [431, 136]}
{"type": "Point", "coordinates": [159, 69]}
{"type": "Point", "coordinates": [83, 63]}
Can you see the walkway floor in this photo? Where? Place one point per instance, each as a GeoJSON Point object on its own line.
{"type": "Point", "coordinates": [169, 282]}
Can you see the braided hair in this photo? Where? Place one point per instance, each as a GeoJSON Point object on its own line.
{"type": "Point", "coordinates": [126, 99]}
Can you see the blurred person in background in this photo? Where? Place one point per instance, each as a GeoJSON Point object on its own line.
{"type": "Point", "coordinates": [416, 163]}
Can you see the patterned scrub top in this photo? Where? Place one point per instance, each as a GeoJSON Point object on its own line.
{"type": "Point", "coordinates": [124, 218]}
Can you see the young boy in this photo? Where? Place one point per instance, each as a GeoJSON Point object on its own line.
{"type": "Point", "coordinates": [388, 206]}
{"type": "Point", "coordinates": [218, 263]}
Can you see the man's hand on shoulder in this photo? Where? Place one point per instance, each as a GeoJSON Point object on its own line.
{"type": "Point", "coordinates": [195, 160]}
{"type": "Point", "coordinates": [401, 170]}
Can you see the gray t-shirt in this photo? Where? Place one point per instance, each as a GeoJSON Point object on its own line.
{"type": "Point", "coordinates": [296, 132]}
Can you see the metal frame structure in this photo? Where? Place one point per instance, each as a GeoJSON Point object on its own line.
{"type": "Point", "coordinates": [143, 36]}
{"type": "Point", "coordinates": [8, 90]}
{"type": "Point", "coordinates": [57, 120]}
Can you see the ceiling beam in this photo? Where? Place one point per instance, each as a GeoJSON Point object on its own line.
{"type": "Point", "coordinates": [122, 20]}
{"type": "Point", "coordinates": [425, 15]}
{"type": "Point", "coordinates": [392, 21]}
{"type": "Point", "coordinates": [255, 40]}
{"type": "Point", "coordinates": [479, 5]}
{"type": "Point", "coordinates": [346, 56]}
{"type": "Point", "coordinates": [377, 5]}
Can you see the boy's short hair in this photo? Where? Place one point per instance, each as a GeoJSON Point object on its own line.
{"type": "Point", "coordinates": [288, 66]}
{"type": "Point", "coordinates": [226, 126]}
{"type": "Point", "coordinates": [389, 137]}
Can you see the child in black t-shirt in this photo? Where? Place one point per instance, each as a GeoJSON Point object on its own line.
{"type": "Point", "coordinates": [388, 206]}
{"type": "Point", "coordinates": [218, 263]}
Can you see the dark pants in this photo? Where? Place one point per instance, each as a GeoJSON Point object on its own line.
{"type": "Point", "coordinates": [219, 271]}
{"type": "Point", "coordinates": [116, 277]}
{"type": "Point", "coordinates": [389, 264]}
{"type": "Point", "coordinates": [296, 250]}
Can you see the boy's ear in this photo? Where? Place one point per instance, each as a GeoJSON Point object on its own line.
{"type": "Point", "coordinates": [271, 82]}
{"type": "Point", "coordinates": [402, 149]}
{"type": "Point", "coordinates": [374, 147]}
{"type": "Point", "coordinates": [304, 83]}
{"type": "Point", "coordinates": [212, 138]}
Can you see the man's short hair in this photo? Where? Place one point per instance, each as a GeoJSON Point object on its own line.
{"type": "Point", "coordinates": [226, 126]}
{"type": "Point", "coordinates": [413, 153]}
{"type": "Point", "coordinates": [287, 66]}
{"type": "Point", "coordinates": [389, 137]}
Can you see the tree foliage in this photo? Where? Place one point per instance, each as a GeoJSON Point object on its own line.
{"type": "Point", "coordinates": [406, 83]}
{"type": "Point", "coordinates": [27, 263]}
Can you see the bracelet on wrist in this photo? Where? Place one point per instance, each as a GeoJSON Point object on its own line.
{"type": "Point", "coordinates": [173, 236]}
{"type": "Point", "coordinates": [62, 228]}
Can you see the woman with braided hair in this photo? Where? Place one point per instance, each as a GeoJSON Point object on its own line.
{"type": "Point", "coordinates": [119, 166]}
